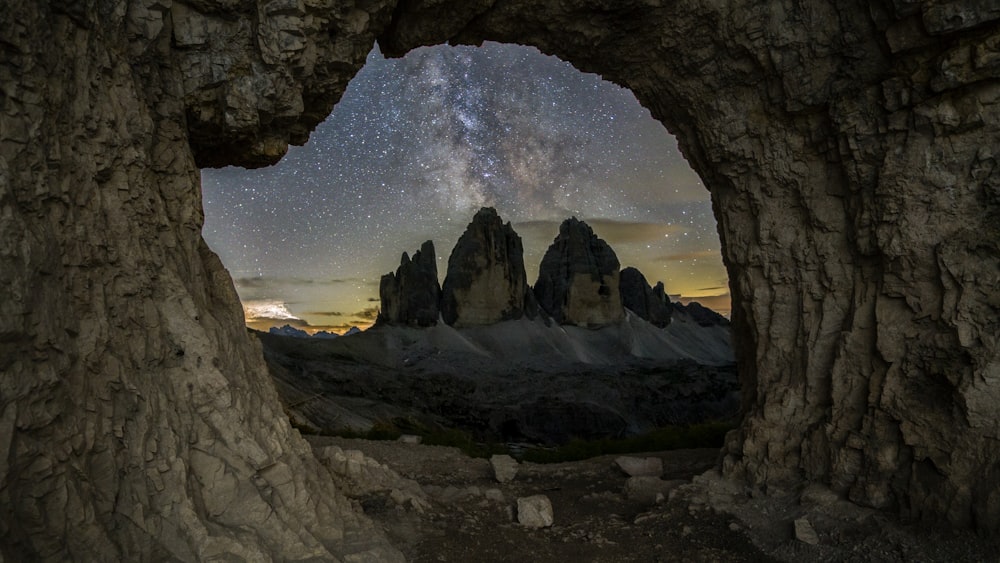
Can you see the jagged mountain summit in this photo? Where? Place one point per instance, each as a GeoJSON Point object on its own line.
{"type": "Point", "coordinates": [578, 278]}
{"type": "Point", "coordinates": [579, 284]}
{"type": "Point", "coordinates": [486, 282]}
{"type": "Point", "coordinates": [649, 303]}
{"type": "Point", "coordinates": [412, 295]}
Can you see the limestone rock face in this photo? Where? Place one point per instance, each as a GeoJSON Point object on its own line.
{"type": "Point", "coordinates": [650, 303]}
{"type": "Point", "coordinates": [410, 296]}
{"type": "Point", "coordinates": [486, 282]}
{"type": "Point", "coordinates": [578, 278]}
{"type": "Point", "coordinates": [849, 148]}
{"type": "Point", "coordinates": [137, 422]}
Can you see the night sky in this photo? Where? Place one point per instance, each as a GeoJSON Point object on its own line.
{"type": "Point", "coordinates": [417, 145]}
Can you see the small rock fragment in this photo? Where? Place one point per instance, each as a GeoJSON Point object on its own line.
{"type": "Point", "coordinates": [640, 467]}
{"type": "Point", "coordinates": [535, 511]}
{"type": "Point", "coordinates": [804, 532]}
{"type": "Point", "coordinates": [504, 468]}
{"type": "Point", "coordinates": [647, 489]}
{"type": "Point", "coordinates": [411, 439]}
{"type": "Point", "coordinates": [494, 495]}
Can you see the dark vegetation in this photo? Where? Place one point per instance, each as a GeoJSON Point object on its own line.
{"type": "Point", "coordinates": [704, 435]}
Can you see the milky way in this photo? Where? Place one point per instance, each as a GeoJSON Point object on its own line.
{"type": "Point", "coordinates": [418, 144]}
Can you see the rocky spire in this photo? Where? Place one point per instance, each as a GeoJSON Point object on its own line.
{"type": "Point", "coordinates": [578, 278]}
{"type": "Point", "coordinates": [649, 303]}
{"type": "Point", "coordinates": [486, 282]}
{"type": "Point", "coordinates": [411, 295]}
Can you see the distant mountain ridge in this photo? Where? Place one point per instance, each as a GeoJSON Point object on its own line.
{"type": "Point", "coordinates": [291, 331]}
{"type": "Point", "coordinates": [579, 283]}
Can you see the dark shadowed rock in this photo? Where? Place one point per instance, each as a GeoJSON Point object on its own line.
{"type": "Point", "coordinates": [578, 278]}
{"type": "Point", "coordinates": [701, 314]}
{"type": "Point", "coordinates": [411, 295]}
{"type": "Point", "coordinates": [650, 303]}
{"type": "Point", "coordinates": [486, 281]}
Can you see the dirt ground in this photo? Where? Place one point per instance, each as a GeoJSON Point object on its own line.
{"type": "Point", "coordinates": [468, 516]}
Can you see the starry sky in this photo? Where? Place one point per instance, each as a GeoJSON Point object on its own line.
{"type": "Point", "coordinates": [417, 145]}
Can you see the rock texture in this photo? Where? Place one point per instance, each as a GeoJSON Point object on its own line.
{"type": "Point", "coordinates": [535, 511]}
{"type": "Point", "coordinates": [849, 147]}
{"type": "Point", "coordinates": [486, 282]}
{"type": "Point", "coordinates": [137, 421]}
{"type": "Point", "coordinates": [412, 294]}
{"type": "Point", "coordinates": [578, 278]}
{"type": "Point", "coordinates": [650, 303]}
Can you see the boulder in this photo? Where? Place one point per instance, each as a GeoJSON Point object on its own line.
{"type": "Point", "coordinates": [640, 466]}
{"type": "Point", "coordinates": [649, 303]}
{"type": "Point", "coordinates": [578, 278]}
{"type": "Point", "coordinates": [804, 532]}
{"type": "Point", "coordinates": [535, 511]}
{"type": "Point", "coordinates": [504, 468]}
{"type": "Point", "coordinates": [410, 296]}
{"type": "Point", "coordinates": [486, 282]}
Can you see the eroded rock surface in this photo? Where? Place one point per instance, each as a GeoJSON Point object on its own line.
{"type": "Point", "coordinates": [578, 278]}
{"type": "Point", "coordinates": [848, 150]}
{"type": "Point", "coordinates": [849, 147]}
{"type": "Point", "coordinates": [486, 282]}
{"type": "Point", "coordinates": [137, 420]}
{"type": "Point", "coordinates": [412, 294]}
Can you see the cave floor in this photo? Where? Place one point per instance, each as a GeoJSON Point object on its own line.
{"type": "Point", "coordinates": [596, 520]}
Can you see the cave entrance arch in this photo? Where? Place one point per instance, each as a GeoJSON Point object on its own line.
{"type": "Point", "coordinates": [841, 144]}
{"type": "Point", "coordinates": [849, 149]}
{"type": "Point", "coordinates": [821, 133]}
{"type": "Point", "coordinates": [412, 151]}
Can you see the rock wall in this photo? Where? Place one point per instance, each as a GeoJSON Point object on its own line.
{"type": "Point", "coordinates": [849, 146]}
{"type": "Point", "coordinates": [137, 420]}
{"type": "Point", "coordinates": [486, 282]}
{"type": "Point", "coordinates": [649, 303]}
{"type": "Point", "coordinates": [578, 278]}
{"type": "Point", "coordinates": [412, 294]}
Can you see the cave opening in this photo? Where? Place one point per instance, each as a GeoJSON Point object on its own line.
{"type": "Point", "coordinates": [412, 151]}
{"type": "Point", "coordinates": [418, 144]}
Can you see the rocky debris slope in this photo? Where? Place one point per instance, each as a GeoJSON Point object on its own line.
{"type": "Point", "coordinates": [649, 303]}
{"type": "Point", "coordinates": [442, 377]}
{"type": "Point", "coordinates": [578, 278]}
{"type": "Point", "coordinates": [675, 512]}
{"type": "Point", "coordinates": [411, 296]}
{"type": "Point", "coordinates": [486, 282]}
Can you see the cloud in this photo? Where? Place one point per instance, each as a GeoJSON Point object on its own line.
{"type": "Point", "coordinates": [271, 281]}
{"type": "Point", "coordinates": [263, 323]}
{"type": "Point", "coordinates": [368, 313]}
{"type": "Point", "coordinates": [374, 300]}
{"type": "Point", "coordinates": [326, 313]}
{"type": "Point", "coordinates": [268, 309]}
{"type": "Point", "coordinates": [724, 288]}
